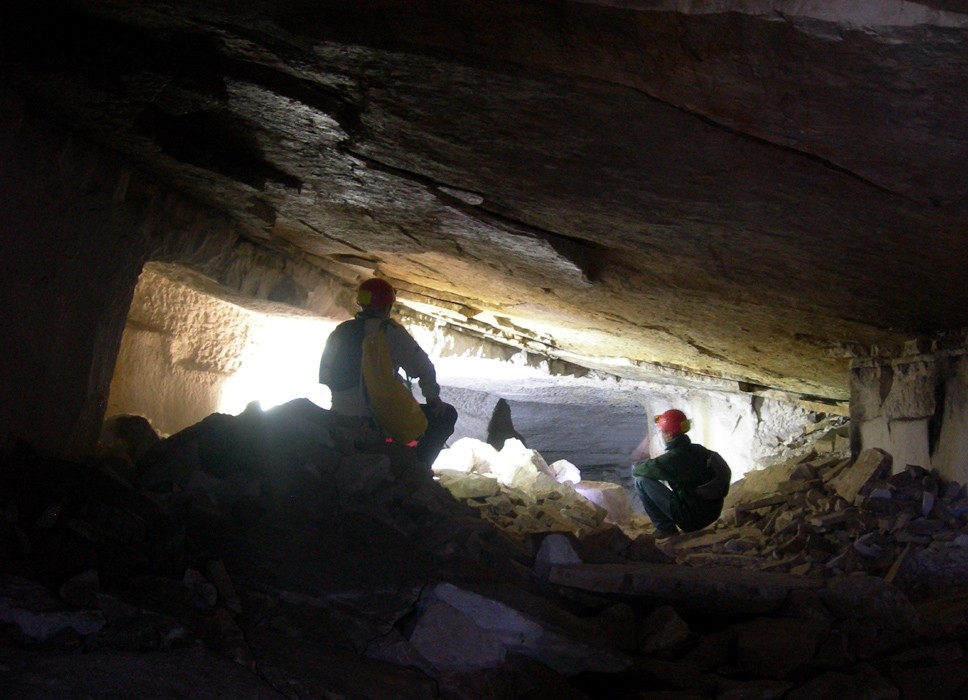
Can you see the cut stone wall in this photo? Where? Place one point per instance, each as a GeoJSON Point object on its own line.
{"type": "Point", "coordinates": [190, 350]}
{"type": "Point", "coordinates": [77, 224]}
{"type": "Point", "coordinates": [915, 406]}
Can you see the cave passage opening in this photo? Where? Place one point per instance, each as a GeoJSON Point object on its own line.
{"type": "Point", "coordinates": [192, 347]}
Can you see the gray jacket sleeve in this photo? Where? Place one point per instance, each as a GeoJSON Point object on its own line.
{"type": "Point", "coordinates": [408, 355]}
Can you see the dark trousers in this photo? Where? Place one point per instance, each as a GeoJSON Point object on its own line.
{"type": "Point", "coordinates": [439, 428]}
{"type": "Point", "coordinates": [656, 499]}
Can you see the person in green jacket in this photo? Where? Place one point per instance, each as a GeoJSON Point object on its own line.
{"type": "Point", "coordinates": [698, 479]}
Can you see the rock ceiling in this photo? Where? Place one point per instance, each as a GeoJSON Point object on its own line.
{"type": "Point", "coordinates": [755, 192]}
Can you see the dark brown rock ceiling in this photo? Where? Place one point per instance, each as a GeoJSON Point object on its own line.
{"type": "Point", "coordinates": [754, 193]}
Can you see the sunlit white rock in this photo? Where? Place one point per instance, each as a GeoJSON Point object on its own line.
{"type": "Point", "coordinates": [565, 471]}
{"type": "Point", "coordinates": [467, 455]}
{"type": "Point", "coordinates": [612, 497]}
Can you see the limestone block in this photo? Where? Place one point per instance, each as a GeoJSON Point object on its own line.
{"type": "Point", "coordinates": [452, 641]}
{"type": "Point", "coordinates": [759, 482]}
{"type": "Point", "coordinates": [893, 406]}
{"type": "Point", "coordinates": [557, 643]}
{"type": "Point", "coordinates": [565, 471]}
{"type": "Point", "coordinates": [707, 539]}
{"type": "Point", "coordinates": [842, 442]}
{"type": "Point", "coordinates": [832, 467]}
{"type": "Point", "coordinates": [871, 464]}
{"type": "Point", "coordinates": [555, 550]}
{"type": "Point", "coordinates": [466, 485]}
{"type": "Point", "coordinates": [804, 472]}
{"type": "Point", "coordinates": [550, 518]}
{"type": "Point", "coordinates": [908, 443]}
{"type": "Point", "coordinates": [586, 515]}
{"type": "Point", "coordinates": [825, 521]}
{"type": "Point", "coordinates": [539, 483]}
{"type": "Point", "coordinates": [912, 393]}
{"type": "Point", "coordinates": [866, 396]}
{"type": "Point", "coordinates": [730, 591]}
{"type": "Point", "coordinates": [764, 502]}
{"type": "Point", "coordinates": [612, 497]}
{"type": "Point", "coordinates": [795, 486]}
{"type": "Point", "coordinates": [893, 390]}
{"type": "Point", "coordinates": [513, 457]}
{"type": "Point", "coordinates": [500, 504]}
{"type": "Point", "coordinates": [525, 476]}
{"type": "Point", "coordinates": [467, 455]}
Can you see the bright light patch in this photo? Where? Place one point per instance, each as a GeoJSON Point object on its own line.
{"type": "Point", "coordinates": [279, 363]}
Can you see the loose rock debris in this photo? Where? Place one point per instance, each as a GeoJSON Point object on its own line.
{"type": "Point", "coordinates": [838, 516]}
{"type": "Point", "coordinates": [266, 555]}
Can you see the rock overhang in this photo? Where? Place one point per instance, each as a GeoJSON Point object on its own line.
{"type": "Point", "coordinates": [748, 195]}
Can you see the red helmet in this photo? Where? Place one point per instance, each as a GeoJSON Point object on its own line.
{"type": "Point", "coordinates": [375, 292]}
{"type": "Point", "coordinates": [673, 422]}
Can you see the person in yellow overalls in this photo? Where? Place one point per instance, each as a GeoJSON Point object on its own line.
{"type": "Point", "coordinates": [339, 367]}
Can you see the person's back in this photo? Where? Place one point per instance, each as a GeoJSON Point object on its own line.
{"type": "Point", "coordinates": [339, 367]}
{"type": "Point", "coordinates": [698, 479]}
{"type": "Point", "coordinates": [685, 467]}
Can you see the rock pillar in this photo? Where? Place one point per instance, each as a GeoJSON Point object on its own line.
{"type": "Point", "coordinates": [914, 405]}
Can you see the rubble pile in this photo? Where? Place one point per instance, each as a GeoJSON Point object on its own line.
{"type": "Point", "coordinates": [277, 555]}
{"type": "Point", "coordinates": [516, 490]}
{"type": "Point", "coordinates": [833, 515]}
{"type": "Point", "coordinates": [816, 515]}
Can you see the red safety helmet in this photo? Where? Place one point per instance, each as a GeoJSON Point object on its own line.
{"type": "Point", "coordinates": [375, 292]}
{"type": "Point", "coordinates": [673, 422]}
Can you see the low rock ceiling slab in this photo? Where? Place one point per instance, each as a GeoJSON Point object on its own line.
{"type": "Point", "coordinates": [756, 191]}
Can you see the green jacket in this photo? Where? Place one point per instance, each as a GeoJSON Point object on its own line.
{"type": "Point", "coordinates": [684, 466]}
